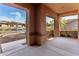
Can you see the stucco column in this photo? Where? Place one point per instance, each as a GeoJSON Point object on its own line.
{"type": "Point", "coordinates": [56, 27]}
{"type": "Point", "coordinates": [40, 34]}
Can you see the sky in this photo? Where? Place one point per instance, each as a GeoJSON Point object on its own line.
{"type": "Point", "coordinates": [48, 19]}
{"type": "Point", "coordinates": [71, 17]}
{"type": "Point", "coordinates": [8, 13]}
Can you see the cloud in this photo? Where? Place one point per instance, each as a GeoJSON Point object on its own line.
{"type": "Point", "coordinates": [70, 17]}
{"type": "Point", "coordinates": [18, 17]}
{"type": "Point", "coordinates": [4, 18]}
{"type": "Point", "coordinates": [17, 14]}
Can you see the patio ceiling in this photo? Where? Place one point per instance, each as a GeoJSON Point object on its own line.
{"type": "Point", "coordinates": [63, 7]}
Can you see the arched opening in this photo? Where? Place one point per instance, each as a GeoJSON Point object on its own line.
{"type": "Point", "coordinates": [69, 26]}
{"type": "Point", "coordinates": [49, 27]}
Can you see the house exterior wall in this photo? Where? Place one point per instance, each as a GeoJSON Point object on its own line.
{"type": "Point", "coordinates": [71, 26]}
{"type": "Point", "coordinates": [11, 26]}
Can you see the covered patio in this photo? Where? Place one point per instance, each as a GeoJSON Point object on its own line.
{"type": "Point", "coordinates": [37, 41]}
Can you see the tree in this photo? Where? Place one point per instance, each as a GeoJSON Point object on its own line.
{"type": "Point", "coordinates": [62, 23]}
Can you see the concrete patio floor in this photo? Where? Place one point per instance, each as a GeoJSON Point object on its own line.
{"type": "Point", "coordinates": [58, 46]}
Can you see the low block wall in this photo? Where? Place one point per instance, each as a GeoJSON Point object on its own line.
{"type": "Point", "coordinates": [70, 34]}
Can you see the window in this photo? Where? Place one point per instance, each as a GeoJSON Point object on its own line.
{"type": "Point", "coordinates": [11, 25]}
{"type": "Point", "coordinates": [0, 25]}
